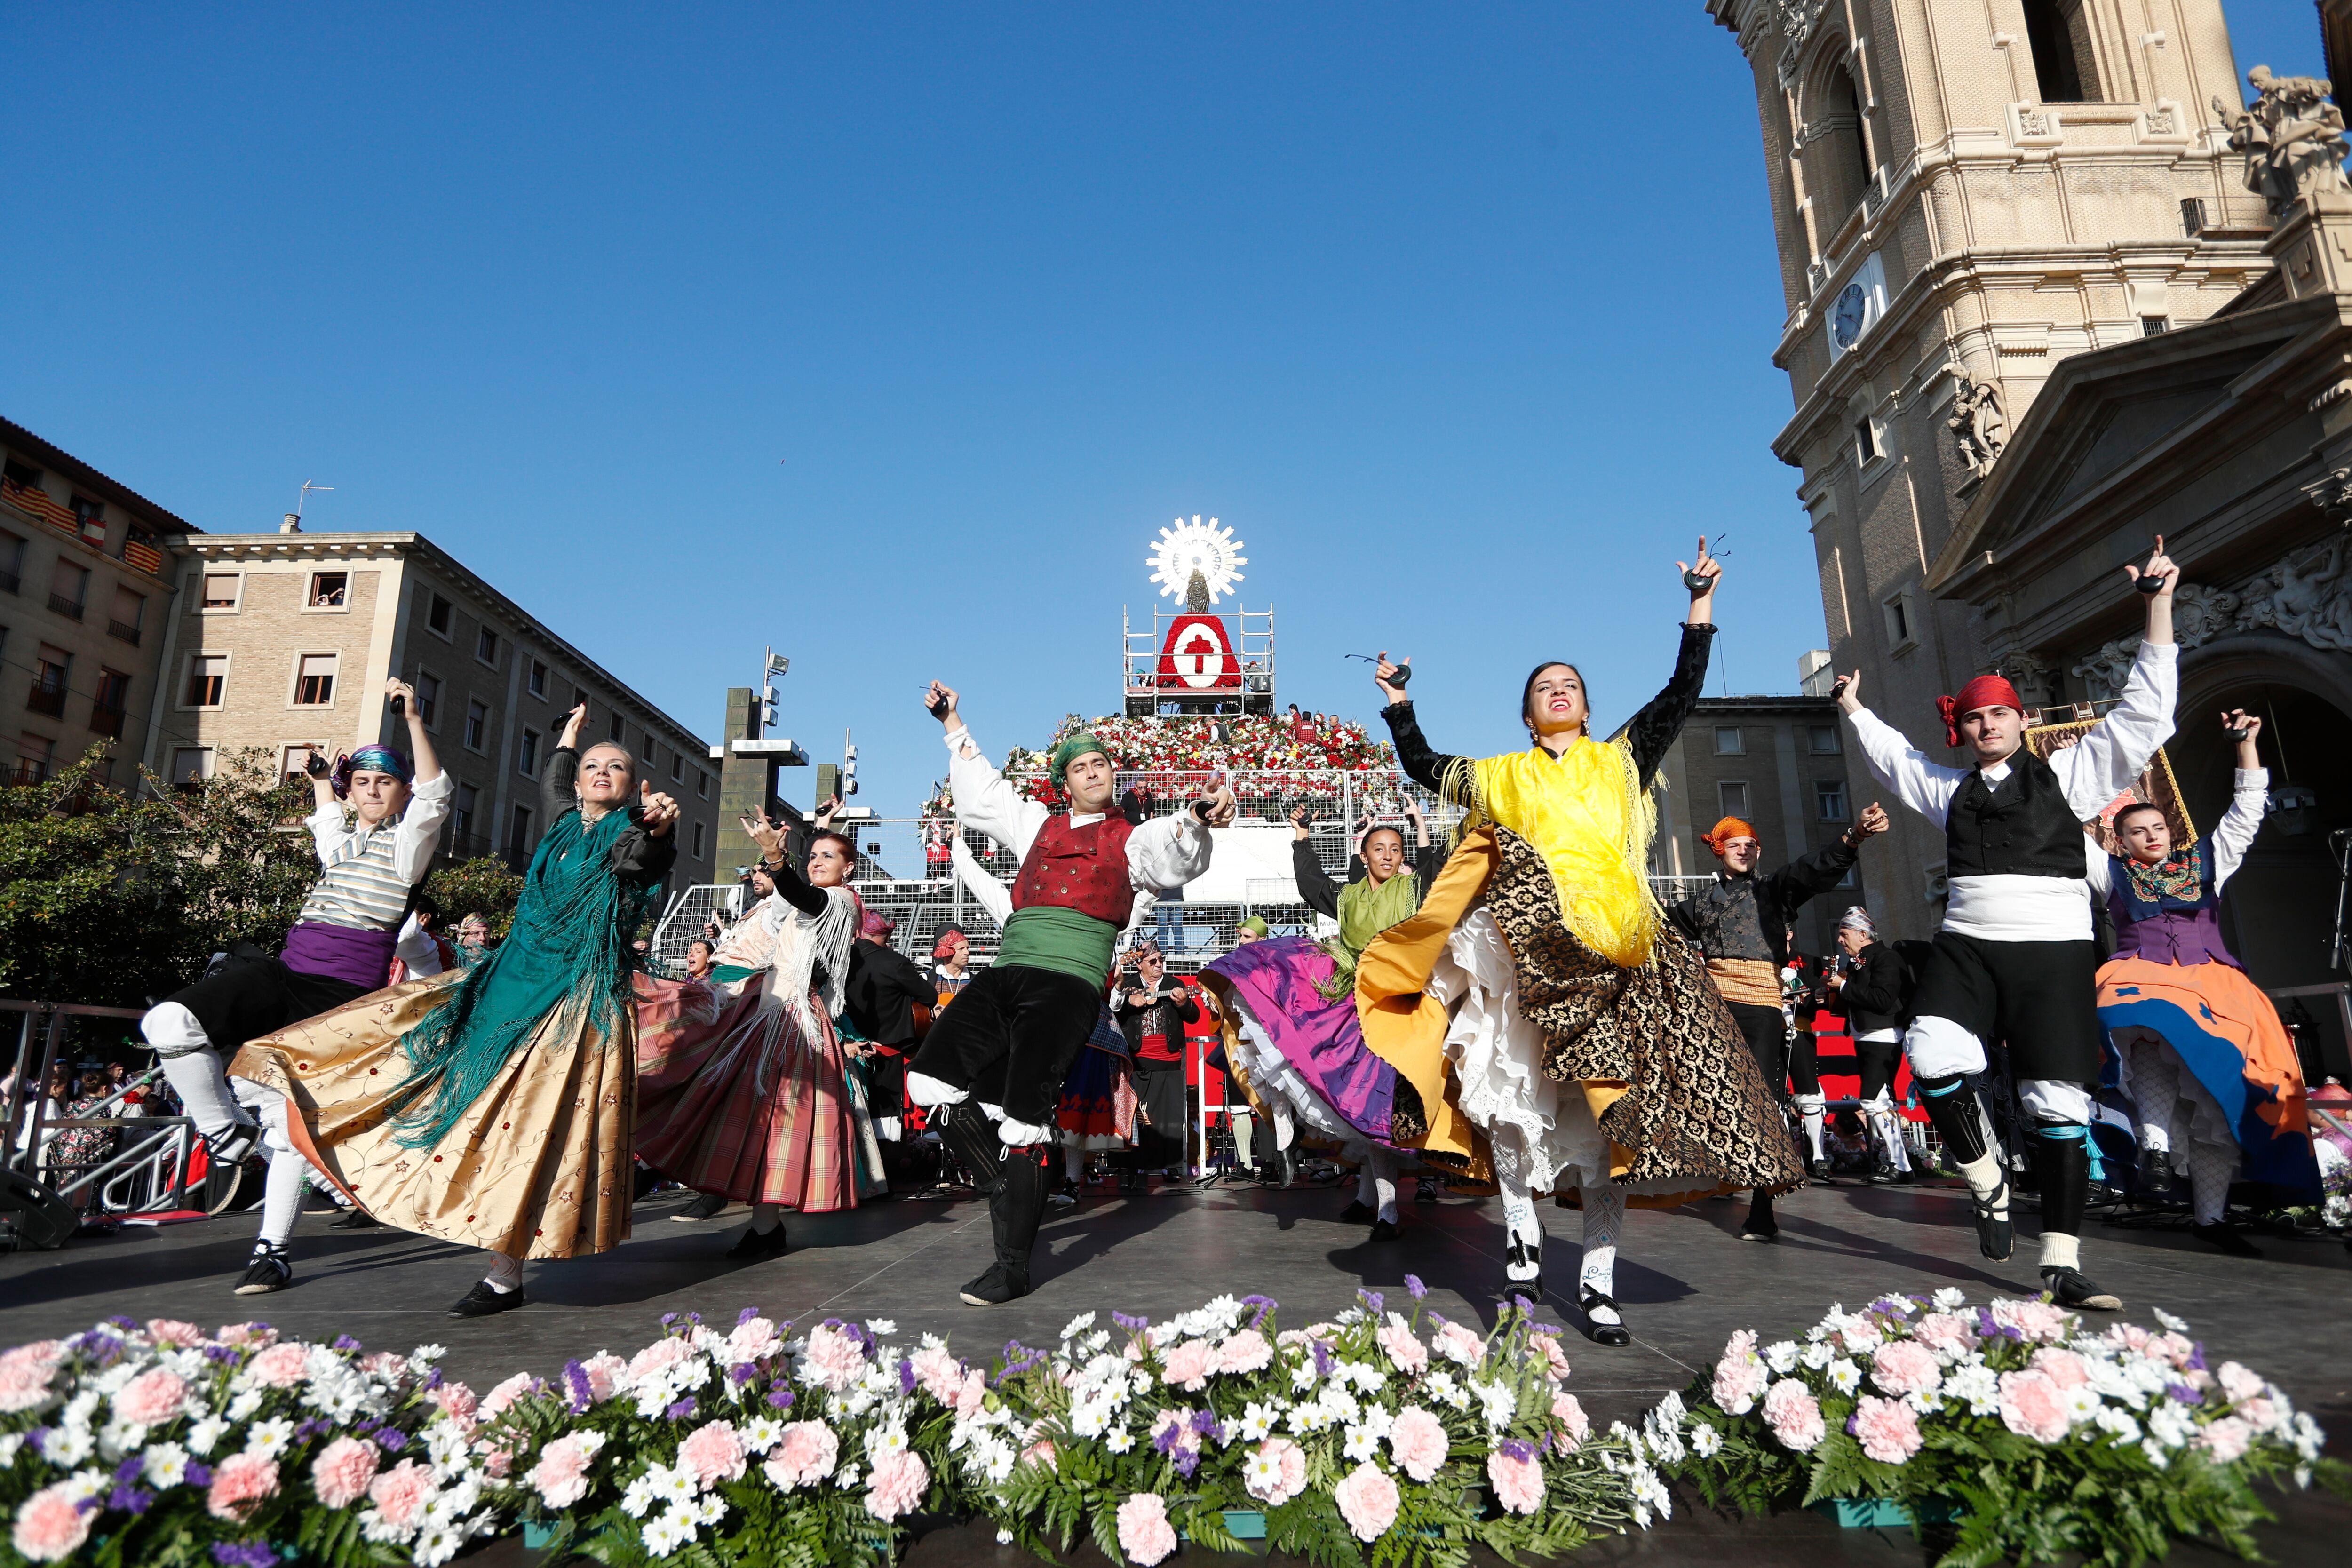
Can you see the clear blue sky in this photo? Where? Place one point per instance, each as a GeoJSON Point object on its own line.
{"type": "Point", "coordinates": [891, 334]}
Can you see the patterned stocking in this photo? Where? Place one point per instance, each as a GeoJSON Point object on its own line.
{"type": "Point", "coordinates": [1604, 1217]}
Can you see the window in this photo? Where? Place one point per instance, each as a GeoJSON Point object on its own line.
{"type": "Point", "coordinates": [2192, 215]}
{"type": "Point", "coordinates": [2151, 326]}
{"type": "Point", "coordinates": [69, 588]}
{"type": "Point", "coordinates": [1731, 797]}
{"type": "Point", "coordinates": [12, 563]}
{"type": "Point", "coordinates": [478, 724]}
{"type": "Point", "coordinates": [1838, 161]}
{"type": "Point", "coordinates": [1730, 741]}
{"type": "Point", "coordinates": [1852, 878]}
{"type": "Point", "coordinates": [701, 785]}
{"type": "Point", "coordinates": [613, 730]}
{"type": "Point", "coordinates": [140, 549]}
{"type": "Point", "coordinates": [314, 685]}
{"type": "Point", "coordinates": [328, 590]}
{"type": "Point", "coordinates": [191, 765]}
{"type": "Point", "coordinates": [579, 698]}
{"type": "Point", "coordinates": [428, 698]}
{"type": "Point", "coordinates": [221, 590]}
{"type": "Point", "coordinates": [519, 831]}
{"type": "Point", "coordinates": [91, 517]}
{"type": "Point", "coordinates": [486, 647]}
{"type": "Point", "coordinates": [461, 812]}
{"type": "Point", "coordinates": [1900, 630]}
{"type": "Point", "coordinates": [438, 614]}
{"type": "Point", "coordinates": [108, 709]}
{"type": "Point", "coordinates": [1824, 739]}
{"type": "Point", "coordinates": [697, 841]}
{"type": "Point", "coordinates": [20, 476]}
{"type": "Point", "coordinates": [33, 755]}
{"type": "Point", "coordinates": [208, 677]}
{"type": "Point", "coordinates": [129, 615]}
{"type": "Point", "coordinates": [1829, 799]}
{"type": "Point", "coordinates": [1865, 440]}
{"type": "Point", "coordinates": [2065, 69]}
{"type": "Point", "coordinates": [291, 759]}
{"type": "Point", "coordinates": [537, 680]}
{"type": "Point", "coordinates": [48, 691]}
{"type": "Point", "coordinates": [527, 757]}
{"type": "Point", "coordinates": [677, 767]}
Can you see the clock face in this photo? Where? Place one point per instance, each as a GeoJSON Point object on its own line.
{"type": "Point", "coordinates": [1845, 321]}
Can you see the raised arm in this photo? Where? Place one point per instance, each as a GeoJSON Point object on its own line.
{"type": "Point", "coordinates": [985, 799]}
{"type": "Point", "coordinates": [2235, 834]}
{"type": "Point", "coordinates": [1925, 787]}
{"type": "Point", "coordinates": [2109, 757]}
{"type": "Point", "coordinates": [790, 886]}
{"type": "Point", "coordinates": [1809, 876]}
{"type": "Point", "coordinates": [1317, 890]}
{"type": "Point", "coordinates": [1654, 729]}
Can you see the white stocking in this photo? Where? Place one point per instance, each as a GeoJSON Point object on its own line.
{"type": "Point", "coordinates": [281, 1203]}
{"type": "Point", "coordinates": [1285, 1130]}
{"type": "Point", "coordinates": [2212, 1169]}
{"type": "Point", "coordinates": [1810, 1108]}
{"type": "Point", "coordinates": [1383, 1165]}
{"type": "Point", "coordinates": [1519, 1209]}
{"type": "Point", "coordinates": [2155, 1088]}
{"type": "Point", "coordinates": [193, 1067]}
{"type": "Point", "coordinates": [505, 1274]}
{"type": "Point", "coordinates": [1604, 1218]}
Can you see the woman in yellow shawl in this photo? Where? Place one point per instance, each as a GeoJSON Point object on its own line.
{"type": "Point", "coordinates": [1584, 1035]}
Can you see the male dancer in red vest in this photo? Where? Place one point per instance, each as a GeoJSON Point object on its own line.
{"type": "Point", "coordinates": [999, 1054]}
{"type": "Point", "coordinates": [2015, 958]}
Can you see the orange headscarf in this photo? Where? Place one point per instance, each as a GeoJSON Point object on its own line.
{"type": "Point", "coordinates": [1730, 828]}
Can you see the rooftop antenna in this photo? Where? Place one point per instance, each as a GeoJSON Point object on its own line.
{"type": "Point", "coordinates": [293, 521]}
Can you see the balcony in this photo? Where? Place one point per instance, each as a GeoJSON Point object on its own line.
{"type": "Point", "coordinates": [46, 697]}
{"type": "Point", "coordinates": [10, 581]}
{"type": "Point", "coordinates": [124, 630]}
{"type": "Point", "coordinates": [25, 772]}
{"type": "Point", "coordinates": [107, 720]}
{"type": "Point", "coordinates": [65, 607]}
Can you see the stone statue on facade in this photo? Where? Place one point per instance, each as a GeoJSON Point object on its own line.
{"type": "Point", "coordinates": [1980, 428]}
{"type": "Point", "coordinates": [2311, 599]}
{"type": "Point", "coordinates": [2292, 138]}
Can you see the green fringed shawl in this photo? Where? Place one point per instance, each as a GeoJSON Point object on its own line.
{"type": "Point", "coordinates": [568, 950]}
{"type": "Point", "coordinates": [1365, 911]}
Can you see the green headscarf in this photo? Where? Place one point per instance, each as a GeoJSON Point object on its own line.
{"type": "Point", "coordinates": [568, 950]}
{"type": "Point", "coordinates": [1253, 925]}
{"type": "Point", "coordinates": [1070, 752]}
{"type": "Point", "coordinates": [1365, 911]}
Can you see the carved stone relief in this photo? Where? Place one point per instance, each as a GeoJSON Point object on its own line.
{"type": "Point", "coordinates": [2310, 598]}
{"type": "Point", "coordinates": [2292, 138]}
{"type": "Point", "coordinates": [1978, 426]}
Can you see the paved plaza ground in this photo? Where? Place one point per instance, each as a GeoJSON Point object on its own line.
{"type": "Point", "coordinates": [1686, 1278]}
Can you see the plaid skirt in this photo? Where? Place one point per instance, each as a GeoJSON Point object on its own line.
{"type": "Point", "coordinates": [755, 1108]}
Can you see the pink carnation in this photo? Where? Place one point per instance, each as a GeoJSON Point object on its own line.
{"type": "Point", "coordinates": [1947, 1332]}
{"type": "Point", "coordinates": [1298, 1339]}
{"type": "Point", "coordinates": [1741, 1375]}
{"type": "Point", "coordinates": [970, 1393]}
{"type": "Point", "coordinates": [2034, 1319]}
{"type": "Point", "coordinates": [1573, 1422]}
{"type": "Point", "coordinates": [1144, 1533]}
{"type": "Point", "coordinates": [1189, 1364]}
{"type": "Point", "coordinates": [23, 1383]}
{"type": "Point", "coordinates": [153, 1395]}
{"type": "Point", "coordinates": [401, 1494]}
{"type": "Point", "coordinates": [1905, 1366]}
{"type": "Point", "coordinates": [560, 1477]}
{"type": "Point", "coordinates": [49, 1528]}
{"type": "Point", "coordinates": [604, 1372]}
{"type": "Point", "coordinates": [1039, 1453]}
{"type": "Point", "coordinates": [499, 1399]}
{"type": "Point", "coordinates": [1456, 1343]}
{"type": "Point", "coordinates": [1404, 1348]}
{"type": "Point", "coordinates": [897, 1484]}
{"type": "Point", "coordinates": [240, 1335]}
{"type": "Point", "coordinates": [1417, 1441]}
{"type": "Point", "coordinates": [2032, 1405]}
{"type": "Point", "coordinates": [1794, 1415]}
{"type": "Point", "coordinates": [2238, 1383]}
{"type": "Point", "coordinates": [1519, 1482]}
{"type": "Point", "coordinates": [2176, 1347]}
{"type": "Point", "coordinates": [456, 1401]}
{"type": "Point", "coordinates": [498, 1463]}
{"type": "Point", "coordinates": [173, 1332]}
{"type": "Point", "coordinates": [1554, 1358]}
{"type": "Point", "coordinates": [2226, 1439]}
{"type": "Point", "coordinates": [240, 1481]}
{"type": "Point", "coordinates": [712, 1454]}
{"type": "Point", "coordinates": [386, 1365]}
{"type": "Point", "coordinates": [1288, 1461]}
{"type": "Point", "coordinates": [1368, 1501]}
{"type": "Point", "coordinates": [664, 1353]}
{"type": "Point", "coordinates": [1244, 1351]}
{"type": "Point", "coordinates": [939, 1374]}
{"type": "Point", "coordinates": [340, 1473]}
{"type": "Point", "coordinates": [754, 1339]}
{"type": "Point", "coordinates": [803, 1455]}
{"type": "Point", "coordinates": [279, 1366]}
{"type": "Point", "coordinates": [2066, 1369]}
{"type": "Point", "coordinates": [833, 1358]}
{"type": "Point", "coordinates": [1886, 1428]}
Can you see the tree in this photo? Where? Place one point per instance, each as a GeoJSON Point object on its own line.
{"type": "Point", "coordinates": [483, 887]}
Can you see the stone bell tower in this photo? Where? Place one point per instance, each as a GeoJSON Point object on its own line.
{"type": "Point", "coordinates": [1966, 192]}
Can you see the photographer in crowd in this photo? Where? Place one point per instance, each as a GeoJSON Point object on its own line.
{"type": "Point", "coordinates": [1152, 1009]}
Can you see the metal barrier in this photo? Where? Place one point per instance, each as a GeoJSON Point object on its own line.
{"type": "Point", "coordinates": [172, 1138]}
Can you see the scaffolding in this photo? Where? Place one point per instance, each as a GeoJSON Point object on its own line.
{"type": "Point", "coordinates": [1148, 694]}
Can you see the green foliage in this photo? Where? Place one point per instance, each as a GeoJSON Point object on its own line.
{"type": "Point", "coordinates": [481, 887]}
{"type": "Point", "coordinates": [109, 896]}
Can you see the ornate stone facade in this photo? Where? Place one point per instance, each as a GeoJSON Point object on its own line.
{"type": "Point", "coordinates": [2292, 138]}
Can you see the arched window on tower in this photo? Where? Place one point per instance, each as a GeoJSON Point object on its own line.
{"type": "Point", "coordinates": [2066, 70]}
{"type": "Point", "coordinates": [1838, 162]}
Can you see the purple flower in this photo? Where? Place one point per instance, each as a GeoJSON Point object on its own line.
{"type": "Point", "coordinates": [432, 1380]}
{"type": "Point", "coordinates": [392, 1440]}
{"type": "Point", "coordinates": [1372, 1300]}
{"type": "Point", "coordinates": [1522, 1303]}
{"type": "Point", "coordinates": [103, 1347]}
{"type": "Point", "coordinates": [1204, 1422]}
{"type": "Point", "coordinates": [198, 1474]}
{"type": "Point", "coordinates": [219, 1352]}
{"type": "Point", "coordinates": [1132, 1325]}
{"type": "Point", "coordinates": [780, 1397]}
{"type": "Point", "coordinates": [122, 1322]}
{"type": "Point", "coordinates": [130, 1470]}
{"type": "Point", "coordinates": [2197, 1356]}
{"type": "Point", "coordinates": [312, 1429]}
{"type": "Point", "coordinates": [1264, 1304]}
{"type": "Point", "coordinates": [1518, 1452]}
{"type": "Point", "coordinates": [2183, 1393]}
{"type": "Point", "coordinates": [1412, 1284]}
{"type": "Point", "coordinates": [1166, 1441]}
{"type": "Point", "coordinates": [37, 1439]}
{"type": "Point", "coordinates": [1322, 1359]}
{"type": "Point", "coordinates": [345, 1342]}
{"type": "Point", "coordinates": [1547, 1328]}
{"type": "Point", "coordinates": [743, 1372]}
{"type": "Point", "coordinates": [668, 1319]}
{"type": "Point", "coordinates": [133, 1500]}
{"type": "Point", "coordinates": [244, 1555]}
{"type": "Point", "coordinates": [1187, 1460]}
{"type": "Point", "coordinates": [680, 1411]}
{"type": "Point", "coordinates": [746, 1315]}
{"type": "Point", "coordinates": [575, 1381]}
{"type": "Point", "coordinates": [906, 1375]}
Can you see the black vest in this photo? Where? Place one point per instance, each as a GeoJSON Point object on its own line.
{"type": "Point", "coordinates": [2024, 827]}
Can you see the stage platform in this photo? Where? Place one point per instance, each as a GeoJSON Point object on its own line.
{"type": "Point", "coordinates": [1686, 1280]}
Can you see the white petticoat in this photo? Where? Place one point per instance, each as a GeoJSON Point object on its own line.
{"type": "Point", "coordinates": [1271, 1074]}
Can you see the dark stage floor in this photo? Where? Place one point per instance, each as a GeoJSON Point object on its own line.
{"type": "Point", "coordinates": [1686, 1278]}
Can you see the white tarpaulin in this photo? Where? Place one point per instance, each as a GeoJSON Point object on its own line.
{"type": "Point", "coordinates": [1249, 865]}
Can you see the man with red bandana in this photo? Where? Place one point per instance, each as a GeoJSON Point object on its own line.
{"type": "Point", "coordinates": [2015, 958]}
{"type": "Point", "coordinates": [989, 1076]}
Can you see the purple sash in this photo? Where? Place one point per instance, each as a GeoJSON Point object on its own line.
{"type": "Point", "coordinates": [361, 958]}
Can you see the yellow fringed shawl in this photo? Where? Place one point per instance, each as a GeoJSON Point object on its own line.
{"type": "Point", "coordinates": [1591, 820]}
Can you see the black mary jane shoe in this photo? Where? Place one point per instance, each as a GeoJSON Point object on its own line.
{"type": "Point", "coordinates": [1359, 1212]}
{"type": "Point", "coordinates": [482, 1301]}
{"type": "Point", "coordinates": [1527, 1255]}
{"type": "Point", "coordinates": [1602, 1334]}
{"type": "Point", "coordinates": [356, 1219]}
{"type": "Point", "coordinates": [1382, 1230]}
{"type": "Point", "coordinates": [1819, 1170]}
{"type": "Point", "coordinates": [757, 1244]}
{"type": "Point", "coordinates": [2153, 1178]}
{"type": "Point", "coordinates": [2073, 1287]}
{"type": "Point", "coordinates": [269, 1271]}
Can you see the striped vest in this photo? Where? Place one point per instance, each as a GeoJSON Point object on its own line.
{"type": "Point", "coordinates": [360, 888]}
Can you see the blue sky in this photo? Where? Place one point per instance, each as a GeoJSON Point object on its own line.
{"type": "Point", "coordinates": [891, 334]}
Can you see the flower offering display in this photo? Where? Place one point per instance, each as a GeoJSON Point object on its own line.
{"type": "Point", "coordinates": [1292, 760]}
{"type": "Point", "coordinates": [1362, 1438]}
{"type": "Point", "coordinates": [160, 1444]}
{"type": "Point", "coordinates": [2048, 1437]}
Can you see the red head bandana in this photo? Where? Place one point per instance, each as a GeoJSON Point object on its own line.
{"type": "Point", "coordinates": [1984, 691]}
{"type": "Point", "coordinates": [1724, 831]}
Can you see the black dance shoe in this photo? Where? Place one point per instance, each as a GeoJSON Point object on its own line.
{"type": "Point", "coordinates": [356, 1219]}
{"type": "Point", "coordinates": [705, 1206]}
{"type": "Point", "coordinates": [483, 1301]}
{"type": "Point", "coordinates": [999, 1284]}
{"type": "Point", "coordinates": [1359, 1212]}
{"type": "Point", "coordinates": [2154, 1177]}
{"type": "Point", "coordinates": [1425, 1191]}
{"type": "Point", "coordinates": [1819, 1169]}
{"type": "Point", "coordinates": [753, 1244]}
{"type": "Point", "coordinates": [1996, 1238]}
{"type": "Point", "coordinates": [1522, 1263]}
{"type": "Point", "coordinates": [2226, 1236]}
{"type": "Point", "coordinates": [1602, 1334]}
{"type": "Point", "coordinates": [1382, 1230]}
{"type": "Point", "coordinates": [270, 1270]}
{"type": "Point", "coordinates": [1064, 1197]}
{"type": "Point", "coordinates": [2073, 1287]}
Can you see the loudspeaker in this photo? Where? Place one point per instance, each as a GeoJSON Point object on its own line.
{"type": "Point", "coordinates": [33, 1216]}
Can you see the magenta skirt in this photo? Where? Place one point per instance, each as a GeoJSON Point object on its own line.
{"type": "Point", "coordinates": [1275, 982]}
